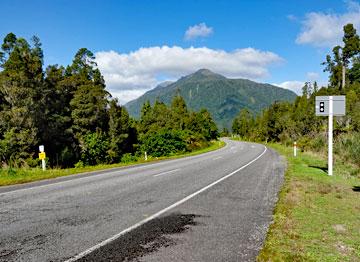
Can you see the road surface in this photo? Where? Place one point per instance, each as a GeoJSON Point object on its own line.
{"type": "Point", "coordinates": [211, 207]}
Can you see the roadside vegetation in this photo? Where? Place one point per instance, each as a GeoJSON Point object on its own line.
{"type": "Point", "coordinates": [11, 176]}
{"type": "Point", "coordinates": [317, 216]}
{"type": "Point", "coordinates": [286, 123]}
{"type": "Point", "coordinates": [68, 110]}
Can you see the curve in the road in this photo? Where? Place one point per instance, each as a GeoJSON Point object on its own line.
{"type": "Point", "coordinates": [109, 240]}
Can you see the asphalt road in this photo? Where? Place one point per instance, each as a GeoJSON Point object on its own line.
{"type": "Point", "coordinates": [211, 207]}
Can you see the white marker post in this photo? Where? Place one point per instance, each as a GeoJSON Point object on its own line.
{"type": "Point", "coordinates": [145, 156]}
{"type": "Point", "coordinates": [42, 156]}
{"type": "Point", "coordinates": [294, 149]}
{"type": "Point", "coordinates": [330, 151]}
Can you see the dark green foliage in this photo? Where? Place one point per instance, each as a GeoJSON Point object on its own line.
{"type": "Point", "coordinates": [122, 133]}
{"type": "Point", "coordinates": [222, 97]}
{"type": "Point", "coordinates": [67, 110]}
{"type": "Point", "coordinates": [351, 43]}
{"type": "Point", "coordinates": [203, 124]}
{"type": "Point", "coordinates": [338, 65]}
{"type": "Point", "coordinates": [94, 148]}
{"type": "Point", "coordinates": [180, 129]}
{"type": "Point", "coordinates": [21, 82]}
{"type": "Point", "coordinates": [243, 123]}
{"type": "Point", "coordinates": [163, 143]}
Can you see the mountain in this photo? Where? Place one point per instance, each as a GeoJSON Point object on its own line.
{"type": "Point", "coordinates": [223, 97]}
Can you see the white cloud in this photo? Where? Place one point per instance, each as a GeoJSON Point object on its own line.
{"type": "Point", "coordinates": [200, 30]}
{"type": "Point", "coordinates": [128, 75]}
{"type": "Point", "coordinates": [312, 76]}
{"type": "Point", "coordinates": [295, 86]}
{"type": "Point", "coordinates": [125, 96]}
{"type": "Point", "coordinates": [326, 29]}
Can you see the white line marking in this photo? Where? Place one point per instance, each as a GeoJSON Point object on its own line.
{"type": "Point", "coordinates": [252, 146]}
{"type": "Point", "coordinates": [129, 168]}
{"type": "Point", "coordinates": [109, 240]}
{"type": "Point", "coordinates": [219, 157]}
{"type": "Point", "coordinates": [167, 172]}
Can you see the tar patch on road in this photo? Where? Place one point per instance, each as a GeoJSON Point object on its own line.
{"type": "Point", "coordinates": [145, 239]}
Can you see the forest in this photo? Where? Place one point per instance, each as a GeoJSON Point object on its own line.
{"type": "Point", "coordinates": [68, 110]}
{"type": "Point", "coordinates": [289, 122]}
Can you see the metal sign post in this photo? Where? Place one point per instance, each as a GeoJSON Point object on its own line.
{"type": "Point", "coordinates": [330, 151]}
{"type": "Point", "coordinates": [330, 106]}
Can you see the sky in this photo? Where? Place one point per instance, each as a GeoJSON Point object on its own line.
{"type": "Point", "coordinates": [138, 44]}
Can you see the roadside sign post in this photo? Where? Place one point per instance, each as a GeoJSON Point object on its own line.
{"type": "Point", "coordinates": [295, 149]}
{"type": "Point", "coordinates": [330, 106]}
{"type": "Point", "coordinates": [330, 151]}
{"type": "Point", "coordinates": [42, 156]}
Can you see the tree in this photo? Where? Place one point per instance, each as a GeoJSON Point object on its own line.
{"type": "Point", "coordinates": [351, 48]}
{"type": "Point", "coordinates": [342, 57]}
{"type": "Point", "coordinates": [243, 123]}
{"type": "Point", "coordinates": [122, 134]}
{"type": "Point", "coordinates": [354, 72]}
{"type": "Point", "coordinates": [179, 112]}
{"type": "Point", "coordinates": [89, 109]}
{"type": "Point", "coordinates": [206, 125]}
{"type": "Point", "coordinates": [21, 83]}
{"type": "Point", "coordinates": [334, 67]}
{"type": "Point", "coordinates": [90, 99]}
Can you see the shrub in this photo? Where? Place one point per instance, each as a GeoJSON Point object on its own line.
{"type": "Point", "coordinates": [79, 164]}
{"type": "Point", "coordinates": [127, 158]}
{"type": "Point", "coordinates": [94, 148]}
{"type": "Point", "coordinates": [163, 143]}
{"type": "Point", "coordinates": [348, 147]}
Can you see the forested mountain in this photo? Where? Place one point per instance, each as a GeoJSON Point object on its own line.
{"type": "Point", "coordinates": [223, 97]}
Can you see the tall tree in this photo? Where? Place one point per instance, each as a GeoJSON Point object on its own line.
{"type": "Point", "coordinates": [21, 85]}
{"type": "Point", "coordinates": [90, 99]}
{"type": "Point", "coordinates": [179, 112]}
{"type": "Point", "coordinates": [351, 48]}
{"type": "Point", "coordinates": [122, 134]}
{"type": "Point", "coordinates": [243, 123]}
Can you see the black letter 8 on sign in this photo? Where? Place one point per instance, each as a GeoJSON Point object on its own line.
{"type": "Point", "coordinates": [322, 107]}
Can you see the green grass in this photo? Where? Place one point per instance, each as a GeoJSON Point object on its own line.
{"type": "Point", "coordinates": [317, 217]}
{"type": "Point", "coordinates": [19, 176]}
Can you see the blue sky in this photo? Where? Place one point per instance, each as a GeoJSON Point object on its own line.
{"type": "Point", "coordinates": [139, 43]}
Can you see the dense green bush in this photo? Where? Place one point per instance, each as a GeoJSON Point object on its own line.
{"type": "Point", "coordinates": [94, 148]}
{"type": "Point", "coordinates": [163, 143]}
{"type": "Point", "coordinates": [128, 158]}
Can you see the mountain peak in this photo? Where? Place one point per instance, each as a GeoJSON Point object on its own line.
{"type": "Point", "coordinates": [204, 74]}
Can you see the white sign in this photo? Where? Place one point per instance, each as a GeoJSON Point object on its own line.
{"type": "Point", "coordinates": [322, 106]}
{"type": "Point", "coordinates": [41, 148]}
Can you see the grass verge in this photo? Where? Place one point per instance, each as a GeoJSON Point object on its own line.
{"type": "Point", "coordinates": [19, 176]}
{"type": "Point", "coordinates": [317, 217]}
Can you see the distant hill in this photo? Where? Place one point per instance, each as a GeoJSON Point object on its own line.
{"type": "Point", "coordinates": [223, 97]}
